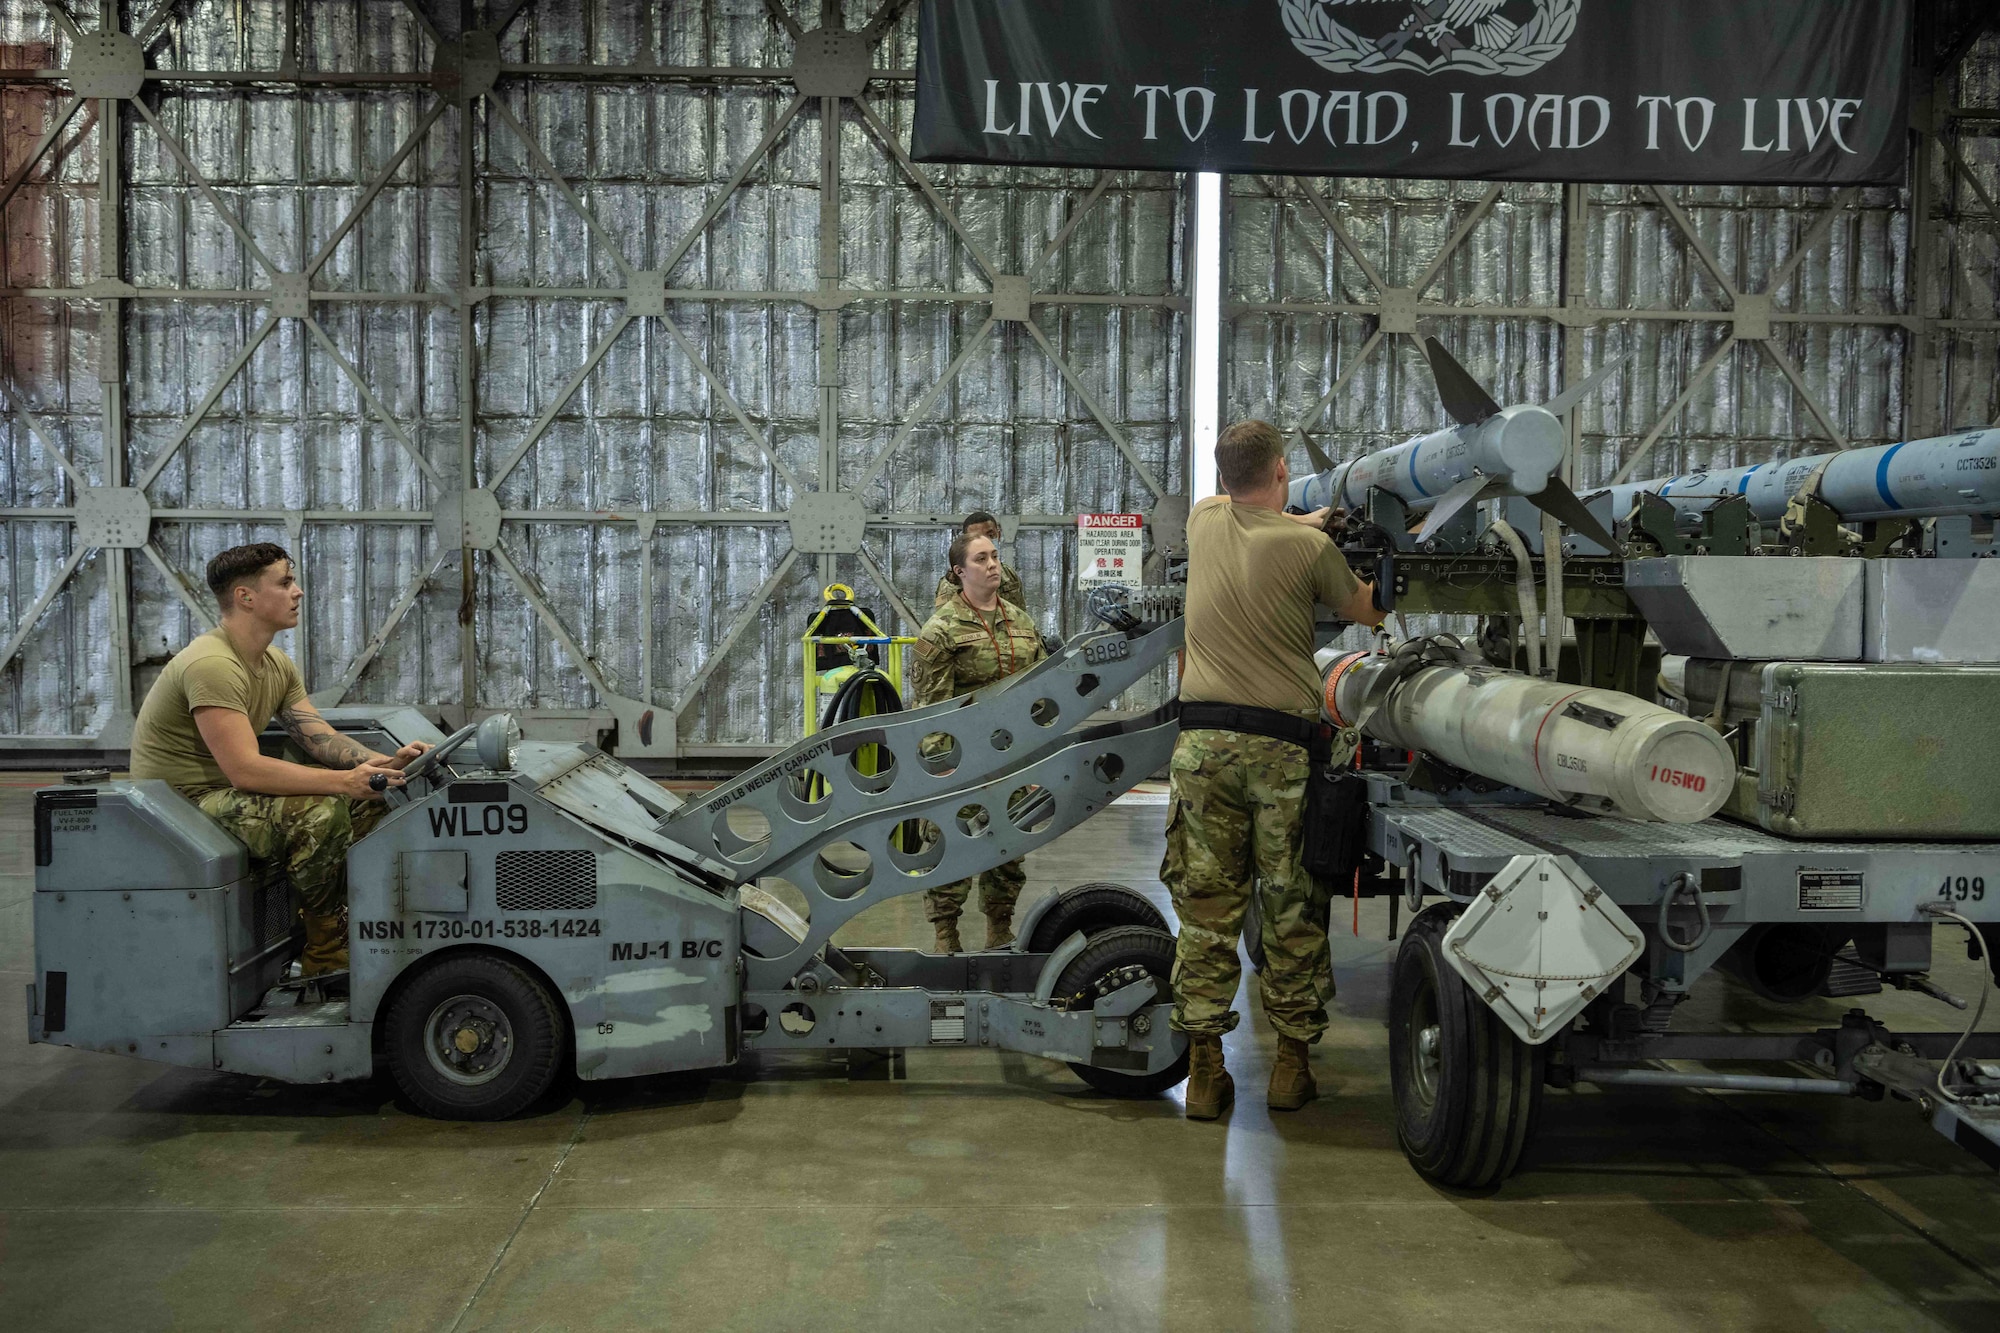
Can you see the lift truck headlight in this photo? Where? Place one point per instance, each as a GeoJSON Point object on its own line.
{"type": "Point", "coordinates": [496, 741]}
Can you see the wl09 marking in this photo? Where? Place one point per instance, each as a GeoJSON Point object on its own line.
{"type": "Point", "coordinates": [477, 821]}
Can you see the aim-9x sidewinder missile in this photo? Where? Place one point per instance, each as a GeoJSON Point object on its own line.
{"type": "Point", "coordinates": [1493, 451]}
{"type": "Point", "coordinates": [1945, 476]}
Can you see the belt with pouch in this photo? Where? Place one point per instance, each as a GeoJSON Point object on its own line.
{"type": "Point", "coordinates": [1334, 831]}
{"type": "Point", "coordinates": [1315, 738]}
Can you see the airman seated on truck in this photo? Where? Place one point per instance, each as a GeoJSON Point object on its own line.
{"type": "Point", "coordinates": [198, 731]}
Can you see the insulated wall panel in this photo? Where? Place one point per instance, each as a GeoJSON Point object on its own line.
{"type": "Point", "coordinates": [639, 291]}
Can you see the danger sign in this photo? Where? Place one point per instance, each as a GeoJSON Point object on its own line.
{"type": "Point", "coordinates": [1110, 548]}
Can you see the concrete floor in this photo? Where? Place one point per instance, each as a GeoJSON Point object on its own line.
{"type": "Point", "coordinates": [968, 1189]}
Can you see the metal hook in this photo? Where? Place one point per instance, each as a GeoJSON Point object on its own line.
{"type": "Point", "coordinates": [1680, 884]}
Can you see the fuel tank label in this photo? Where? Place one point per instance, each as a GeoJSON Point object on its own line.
{"type": "Point", "coordinates": [1830, 890]}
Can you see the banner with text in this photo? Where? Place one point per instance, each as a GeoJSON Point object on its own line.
{"type": "Point", "coordinates": [1696, 91]}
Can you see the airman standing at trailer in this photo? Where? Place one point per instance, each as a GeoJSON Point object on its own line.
{"type": "Point", "coordinates": [1249, 724]}
{"type": "Point", "coordinates": [974, 639]}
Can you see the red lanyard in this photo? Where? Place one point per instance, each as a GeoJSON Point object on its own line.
{"type": "Point", "coordinates": [988, 627]}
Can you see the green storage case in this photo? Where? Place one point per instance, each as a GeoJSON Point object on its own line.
{"type": "Point", "coordinates": [1868, 750]}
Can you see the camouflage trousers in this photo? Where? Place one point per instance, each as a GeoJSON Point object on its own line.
{"type": "Point", "coordinates": [309, 834]}
{"type": "Point", "coordinates": [1233, 827]}
{"type": "Point", "coordinates": [998, 890]}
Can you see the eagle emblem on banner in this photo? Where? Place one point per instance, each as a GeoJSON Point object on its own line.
{"type": "Point", "coordinates": [1464, 36]}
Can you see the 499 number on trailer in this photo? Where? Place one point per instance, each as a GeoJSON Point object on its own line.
{"type": "Point", "coordinates": [1963, 888]}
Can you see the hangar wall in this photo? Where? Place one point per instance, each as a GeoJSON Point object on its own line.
{"type": "Point", "coordinates": [666, 305]}
{"type": "Point", "coordinates": [676, 305]}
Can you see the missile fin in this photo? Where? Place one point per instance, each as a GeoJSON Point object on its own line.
{"type": "Point", "coordinates": [1451, 502]}
{"type": "Point", "coordinates": [1320, 462]}
{"type": "Point", "coordinates": [1559, 500]}
{"type": "Point", "coordinates": [1569, 398]}
{"type": "Point", "coordinates": [1463, 397]}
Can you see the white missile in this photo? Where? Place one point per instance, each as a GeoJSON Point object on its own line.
{"type": "Point", "coordinates": [1493, 451]}
{"type": "Point", "coordinates": [1935, 478]}
{"type": "Point", "coordinates": [1594, 749]}
{"type": "Point", "coordinates": [1518, 447]}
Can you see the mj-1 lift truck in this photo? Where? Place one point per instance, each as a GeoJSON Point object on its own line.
{"type": "Point", "coordinates": [529, 908]}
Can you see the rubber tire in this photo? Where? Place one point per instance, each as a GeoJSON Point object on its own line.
{"type": "Point", "coordinates": [1122, 946]}
{"type": "Point", "coordinates": [1488, 1097]}
{"type": "Point", "coordinates": [1092, 908]}
{"type": "Point", "coordinates": [541, 1039]}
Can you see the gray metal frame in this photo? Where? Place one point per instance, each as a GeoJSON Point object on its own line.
{"type": "Point", "coordinates": [832, 71]}
{"type": "Point", "coordinates": [1734, 877]}
{"type": "Point", "coordinates": [1021, 777]}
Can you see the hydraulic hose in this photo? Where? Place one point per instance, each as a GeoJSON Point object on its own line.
{"type": "Point", "coordinates": [1524, 590]}
{"type": "Point", "coordinates": [845, 705]}
{"type": "Point", "coordinates": [1940, 910]}
{"type": "Point", "coordinates": [868, 683]}
{"type": "Point", "coordinates": [1552, 563]}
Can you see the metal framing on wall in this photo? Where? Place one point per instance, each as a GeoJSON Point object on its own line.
{"type": "Point", "coordinates": [572, 349]}
{"type": "Point", "coordinates": [1751, 323]}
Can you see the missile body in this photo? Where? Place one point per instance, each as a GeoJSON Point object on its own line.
{"type": "Point", "coordinates": [1595, 749]}
{"type": "Point", "coordinates": [1935, 478]}
{"type": "Point", "coordinates": [1519, 448]}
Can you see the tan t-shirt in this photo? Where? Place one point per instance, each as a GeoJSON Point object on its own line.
{"type": "Point", "coordinates": [1253, 576]}
{"type": "Point", "coordinates": [207, 673]}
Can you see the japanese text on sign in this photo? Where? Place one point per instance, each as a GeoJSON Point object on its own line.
{"type": "Point", "coordinates": [1110, 548]}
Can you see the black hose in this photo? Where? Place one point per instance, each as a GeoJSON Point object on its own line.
{"type": "Point", "coordinates": [845, 705]}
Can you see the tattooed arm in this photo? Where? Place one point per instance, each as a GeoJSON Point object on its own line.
{"type": "Point", "coordinates": [322, 744]}
{"type": "Point", "coordinates": [226, 732]}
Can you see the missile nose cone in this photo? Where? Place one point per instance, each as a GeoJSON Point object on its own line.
{"type": "Point", "coordinates": [1527, 444]}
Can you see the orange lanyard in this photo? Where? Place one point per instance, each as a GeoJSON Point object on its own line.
{"type": "Point", "coordinates": [988, 627]}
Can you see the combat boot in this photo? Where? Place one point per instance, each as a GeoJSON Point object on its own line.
{"type": "Point", "coordinates": [947, 936]}
{"type": "Point", "coordinates": [999, 929]}
{"type": "Point", "coordinates": [1210, 1090]}
{"type": "Point", "coordinates": [326, 944]}
{"type": "Point", "coordinates": [1292, 1083]}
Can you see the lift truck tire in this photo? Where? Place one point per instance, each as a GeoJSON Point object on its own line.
{"type": "Point", "coordinates": [1468, 1092]}
{"type": "Point", "coordinates": [1105, 964]}
{"type": "Point", "coordinates": [474, 1036]}
{"type": "Point", "coordinates": [1091, 908]}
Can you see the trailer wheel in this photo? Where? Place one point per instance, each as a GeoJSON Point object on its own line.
{"type": "Point", "coordinates": [1112, 959]}
{"type": "Point", "coordinates": [1092, 908]}
{"type": "Point", "coordinates": [474, 1037]}
{"type": "Point", "coordinates": [1467, 1090]}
